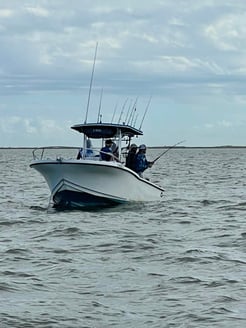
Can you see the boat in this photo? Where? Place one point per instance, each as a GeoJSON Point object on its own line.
{"type": "Point", "coordinates": [90, 180]}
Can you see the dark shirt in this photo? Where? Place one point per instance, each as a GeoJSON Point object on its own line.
{"type": "Point", "coordinates": [80, 154]}
{"type": "Point", "coordinates": [130, 160]}
{"type": "Point", "coordinates": [106, 157]}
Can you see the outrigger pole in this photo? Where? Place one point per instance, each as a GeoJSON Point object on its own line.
{"type": "Point", "coordinates": [178, 143]}
{"type": "Point", "coordinates": [92, 75]}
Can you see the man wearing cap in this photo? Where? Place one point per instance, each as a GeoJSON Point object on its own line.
{"type": "Point", "coordinates": [130, 159]}
{"type": "Point", "coordinates": [141, 163]}
{"type": "Point", "coordinates": [106, 151]}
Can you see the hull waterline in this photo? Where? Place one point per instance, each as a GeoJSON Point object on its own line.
{"type": "Point", "coordinates": [67, 199]}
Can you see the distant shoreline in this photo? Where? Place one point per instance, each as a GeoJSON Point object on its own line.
{"type": "Point", "coordinates": [150, 147]}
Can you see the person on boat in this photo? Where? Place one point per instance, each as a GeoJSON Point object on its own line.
{"type": "Point", "coordinates": [130, 159]}
{"type": "Point", "coordinates": [106, 153]}
{"type": "Point", "coordinates": [115, 150]}
{"type": "Point", "coordinates": [141, 163]}
{"type": "Point", "coordinates": [80, 153]}
{"type": "Point", "coordinates": [88, 151]}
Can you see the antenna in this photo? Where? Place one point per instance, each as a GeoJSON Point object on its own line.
{"type": "Point", "coordinates": [92, 74]}
{"type": "Point", "coordinates": [147, 107]}
{"type": "Point", "coordinates": [99, 109]}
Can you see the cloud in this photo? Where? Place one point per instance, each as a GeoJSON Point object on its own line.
{"type": "Point", "coordinates": [51, 42]}
{"type": "Point", "coordinates": [38, 11]}
{"type": "Point", "coordinates": [224, 124]}
{"type": "Point", "coordinates": [189, 55]}
{"type": "Point", "coordinates": [48, 131]}
{"type": "Point", "coordinates": [228, 32]}
{"type": "Point", "coordinates": [209, 126]}
{"type": "Point", "coordinates": [6, 13]}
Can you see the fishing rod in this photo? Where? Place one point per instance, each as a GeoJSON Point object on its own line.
{"type": "Point", "coordinates": [134, 124]}
{"type": "Point", "coordinates": [114, 112]}
{"type": "Point", "coordinates": [122, 110]}
{"type": "Point", "coordinates": [127, 114]}
{"type": "Point", "coordinates": [147, 107]}
{"type": "Point", "coordinates": [132, 112]}
{"type": "Point", "coordinates": [158, 157]}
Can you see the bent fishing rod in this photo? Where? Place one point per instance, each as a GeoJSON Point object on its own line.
{"type": "Point", "coordinates": [158, 157]}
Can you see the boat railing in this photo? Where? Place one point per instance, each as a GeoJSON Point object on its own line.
{"type": "Point", "coordinates": [47, 153]}
{"type": "Point", "coordinates": [41, 153]}
{"type": "Point", "coordinates": [38, 156]}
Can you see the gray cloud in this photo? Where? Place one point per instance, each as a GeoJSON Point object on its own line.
{"type": "Point", "coordinates": [184, 52]}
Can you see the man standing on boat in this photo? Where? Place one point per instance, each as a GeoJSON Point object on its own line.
{"type": "Point", "coordinates": [141, 163]}
{"type": "Point", "coordinates": [106, 153]}
{"type": "Point", "coordinates": [130, 159]}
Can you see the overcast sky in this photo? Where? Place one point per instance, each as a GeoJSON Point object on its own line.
{"type": "Point", "coordinates": [188, 56]}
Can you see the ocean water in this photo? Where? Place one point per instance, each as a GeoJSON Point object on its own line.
{"type": "Point", "coordinates": [178, 262]}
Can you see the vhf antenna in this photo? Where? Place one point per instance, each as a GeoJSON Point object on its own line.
{"type": "Point", "coordinates": [92, 75]}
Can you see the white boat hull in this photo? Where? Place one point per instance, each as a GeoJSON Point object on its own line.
{"type": "Point", "coordinates": [75, 183]}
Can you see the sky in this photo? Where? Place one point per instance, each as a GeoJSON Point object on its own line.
{"type": "Point", "coordinates": [187, 58]}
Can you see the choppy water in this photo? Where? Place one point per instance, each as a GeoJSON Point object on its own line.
{"type": "Point", "coordinates": [180, 262]}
